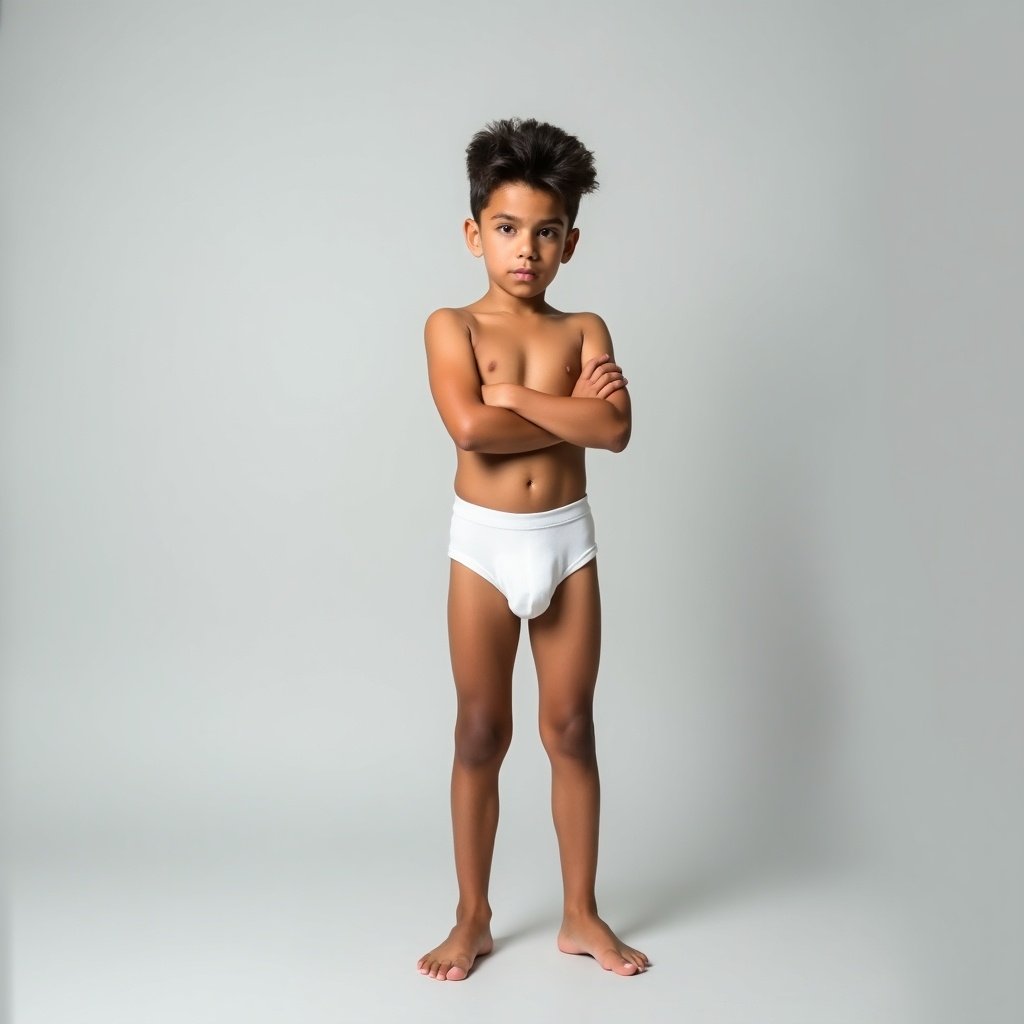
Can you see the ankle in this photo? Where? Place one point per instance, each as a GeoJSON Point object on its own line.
{"type": "Point", "coordinates": [576, 909]}
{"type": "Point", "coordinates": [473, 912]}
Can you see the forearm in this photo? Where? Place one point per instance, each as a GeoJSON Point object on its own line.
{"type": "Point", "coordinates": [495, 431]}
{"type": "Point", "coordinates": [587, 422]}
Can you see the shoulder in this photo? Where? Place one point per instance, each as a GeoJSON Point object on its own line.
{"type": "Point", "coordinates": [448, 322]}
{"type": "Point", "coordinates": [594, 334]}
{"type": "Point", "coordinates": [590, 325]}
{"type": "Point", "coordinates": [591, 321]}
{"type": "Point", "coordinates": [447, 316]}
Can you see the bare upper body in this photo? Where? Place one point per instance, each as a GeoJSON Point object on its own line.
{"type": "Point", "coordinates": [523, 394]}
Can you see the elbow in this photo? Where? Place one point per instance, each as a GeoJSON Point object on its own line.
{"type": "Point", "coordinates": [620, 438]}
{"type": "Point", "coordinates": [464, 436]}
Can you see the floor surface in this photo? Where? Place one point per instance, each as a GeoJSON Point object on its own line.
{"type": "Point", "coordinates": [311, 936]}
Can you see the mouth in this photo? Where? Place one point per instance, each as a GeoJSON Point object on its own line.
{"type": "Point", "coordinates": [523, 274]}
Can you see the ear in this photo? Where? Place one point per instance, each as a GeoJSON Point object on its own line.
{"type": "Point", "coordinates": [570, 244]}
{"type": "Point", "coordinates": [472, 233]}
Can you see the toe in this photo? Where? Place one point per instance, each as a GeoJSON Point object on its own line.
{"type": "Point", "coordinates": [613, 960]}
{"type": "Point", "coordinates": [456, 972]}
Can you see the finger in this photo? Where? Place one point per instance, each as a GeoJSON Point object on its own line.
{"type": "Point", "coordinates": [607, 375]}
{"type": "Point", "coordinates": [609, 365]}
{"type": "Point", "coordinates": [610, 388]}
{"type": "Point", "coordinates": [592, 364]}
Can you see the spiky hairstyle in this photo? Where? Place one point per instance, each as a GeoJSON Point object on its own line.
{"type": "Point", "coordinates": [536, 153]}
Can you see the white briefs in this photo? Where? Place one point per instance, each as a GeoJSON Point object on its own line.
{"type": "Point", "coordinates": [524, 554]}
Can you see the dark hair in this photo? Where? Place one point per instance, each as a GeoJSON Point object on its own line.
{"type": "Point", "coordinates": [535, 153]}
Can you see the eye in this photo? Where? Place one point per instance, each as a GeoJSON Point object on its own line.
{"type": "Point", "coordinates": [501, 228]}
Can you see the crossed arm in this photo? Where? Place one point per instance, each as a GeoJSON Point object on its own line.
{"type": "Point", "coordinates": [509, 418]}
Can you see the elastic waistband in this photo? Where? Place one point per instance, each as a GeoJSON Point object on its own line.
{"type": "Point", "coordinates": [521, 520]}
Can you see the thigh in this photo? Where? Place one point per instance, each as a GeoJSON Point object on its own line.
{"type": "Point", "coordinates": [566, 643]}
{"type": "Point", "coordinates": [483, 635]}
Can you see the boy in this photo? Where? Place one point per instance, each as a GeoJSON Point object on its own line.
{"type": "Point", "coordinates": [523, 389]}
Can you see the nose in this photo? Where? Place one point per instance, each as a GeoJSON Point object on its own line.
{"type": "Point", "coordinates": [526, 245]}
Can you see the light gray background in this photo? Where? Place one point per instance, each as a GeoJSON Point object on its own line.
{"type": "Point", "coordinates": [226, 491]}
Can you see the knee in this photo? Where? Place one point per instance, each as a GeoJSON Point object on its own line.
{"type": "Point", "coordinates": [481, 739]}
{"type": "Point", "coordinates": [570, 736]}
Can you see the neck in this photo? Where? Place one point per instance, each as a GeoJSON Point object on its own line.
{"type": "Point", "coordinates": [499, 301]}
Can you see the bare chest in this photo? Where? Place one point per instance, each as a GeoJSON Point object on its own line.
{"type": "Point", "coordinates": [547, 360]}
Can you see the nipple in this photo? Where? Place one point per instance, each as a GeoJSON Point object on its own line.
{"type": "Point", "coordinates": [492, 364]}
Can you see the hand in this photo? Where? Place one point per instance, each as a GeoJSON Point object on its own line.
{"type": "Point", "coordinates": [494, 394]}
{"type": "Point", "coordinates": [599, 379]}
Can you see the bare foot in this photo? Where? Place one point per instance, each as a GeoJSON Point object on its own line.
{"type": "Point", "coordinates": [587, 933]}
{"type": "Point", "coordinates": [454, 958]}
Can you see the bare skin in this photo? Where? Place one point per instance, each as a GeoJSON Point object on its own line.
{"type": "Point", "coordinates": [502, 373]}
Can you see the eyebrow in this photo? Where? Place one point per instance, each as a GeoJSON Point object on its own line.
{"type": "Point", "coordinates": [509, 216]}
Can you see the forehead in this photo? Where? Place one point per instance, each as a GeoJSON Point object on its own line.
{"type": "Point", "coordinates": [525, 203]}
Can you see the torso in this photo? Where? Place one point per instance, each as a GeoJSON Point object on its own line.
{"type": "Point", "coordinates": [542, 353]}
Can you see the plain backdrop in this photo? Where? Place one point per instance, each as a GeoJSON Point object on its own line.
{"type": "Point", "coordinates": [226, 490]}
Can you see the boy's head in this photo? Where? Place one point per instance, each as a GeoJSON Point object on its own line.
{"type": "Point", "coordinates": [534, 153]}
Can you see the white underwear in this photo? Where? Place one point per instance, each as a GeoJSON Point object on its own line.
{"type": "Point", "coordinates": [524, 554]}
